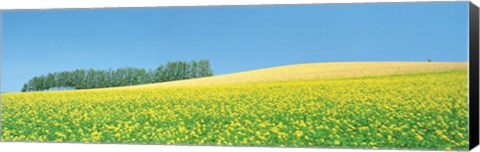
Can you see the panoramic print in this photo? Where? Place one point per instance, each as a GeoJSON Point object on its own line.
{"type": "Point", "coordinates": [378, 75]}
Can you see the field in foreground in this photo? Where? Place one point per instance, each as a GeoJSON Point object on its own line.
{"type": "Point", "coordinates": [420, 111]}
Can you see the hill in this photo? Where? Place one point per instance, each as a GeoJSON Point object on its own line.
{"type": "Point", "coordinates": [317, 71]}
{"type": "Point", "coordinates": [282, 113]}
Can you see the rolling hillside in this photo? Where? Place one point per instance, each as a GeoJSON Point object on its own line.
{"type": "Point", "coordinates": [309, 71]}
{"type": "Point", "coordinates": [367, 112]}
{"type": "Point", "coordinates": [317, 71]}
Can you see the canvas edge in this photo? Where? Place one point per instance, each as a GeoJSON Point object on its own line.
{"type": "Point", "coordinates": [473, 76]}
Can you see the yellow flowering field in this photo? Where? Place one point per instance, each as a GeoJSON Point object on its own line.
{"type": "Point", "coordinates": [414, 111]}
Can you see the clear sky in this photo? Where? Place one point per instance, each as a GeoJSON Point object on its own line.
{"type": "Point", "coordinates": [233, 38]}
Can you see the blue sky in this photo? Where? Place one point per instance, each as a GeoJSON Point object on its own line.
{"type": "Point", "coordinates": [233, 38]}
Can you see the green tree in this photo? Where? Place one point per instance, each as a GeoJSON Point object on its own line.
{"type": "Point", "coordinates": [91, 78]}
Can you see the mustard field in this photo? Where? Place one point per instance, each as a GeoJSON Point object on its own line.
{"type": "Point", "coordinates": [415, 110]}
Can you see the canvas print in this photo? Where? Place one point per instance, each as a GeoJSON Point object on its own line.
{"type": "Point", "coordinates": [372, 75]}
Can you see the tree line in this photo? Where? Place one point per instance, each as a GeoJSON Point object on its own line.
{"type": "Point", "coordinates": [91, 78]}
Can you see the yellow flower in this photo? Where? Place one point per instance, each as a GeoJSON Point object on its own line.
{"type": "Point", "coordinates": [419, 137]}
{"type": "Point", "coordinates": [298, 133]}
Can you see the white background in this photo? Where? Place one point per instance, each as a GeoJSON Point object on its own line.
{"type": "Point", "coordinates": [53, 147]}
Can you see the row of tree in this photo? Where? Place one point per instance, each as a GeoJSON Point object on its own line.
{"type": "Point", "coordinates": [90, 78]}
